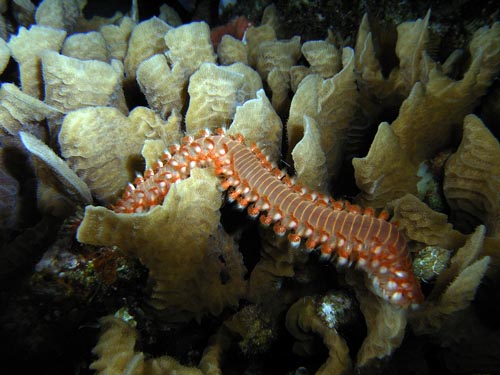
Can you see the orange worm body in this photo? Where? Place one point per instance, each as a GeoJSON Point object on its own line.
{"type": "Point", "coordinates": [338, 229]}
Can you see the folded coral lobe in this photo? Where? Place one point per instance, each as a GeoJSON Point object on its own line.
{"type": "Point", "coordinates": [343, 232]}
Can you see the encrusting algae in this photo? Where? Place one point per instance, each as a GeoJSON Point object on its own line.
{"type": "Point", "coordinates": [304, 120]}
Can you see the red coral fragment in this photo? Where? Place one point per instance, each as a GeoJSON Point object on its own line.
{"type": "Point", "coordinates": [236, 28]}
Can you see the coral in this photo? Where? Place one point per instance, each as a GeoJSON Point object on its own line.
{"type": "Point", "coordinates": [169, 132]}
{"type": "Point", "coordinates": [86, 46]}
{"type": "Point", "coordinates": [323, 58]}
{"type": "Point", "coordinates": [55, 175]}
{"type": "Point", "coordinates": [420, 223]}
{"type": "Point", "coordinates": [255, 36]}
{"type": "Point", "coordinates": [169, 15]}
{"type": "Point", "coordinates": [274, 61]}
{"type": "Point", "coordinates": [163, 87]}
{"type": "Point", "coordinates": [428, 118]}
{"type": "Point", "coordinates": [472, 178]}
{"type": "Point", "coordinates": [189, 46]}
{"type": "Point", "coordinates": [116, 353]}
{"type": "Point", "coordinates": [71, 83]}
{"type": "Point", "coordinates": [27, 47]}
{"type": "Point", "coordinates": [258, 123]}
{"type": "Point", "coordinates": [215, 92]}
{"type": "Point", "coordinates": [281, 55]}
{"type": "Point", "coordinates": [210, 363]}
{"type": "Point", "coordinates": [309, 159]}
{"type": "Point", "coordinates": [278, 262]}
{"type": "Point", "coordinates": [58, 14]}
{"type": "Point", "coordinates": [385, 323]}
{"type": "Point", "coordinates": [413, 37]}
{"type": "Point", "coordinates": [306, 316]}
{"type": "Point", "coordinates": [116, 37]}
{"type": "Point", "coordinates": [4, 55]}
{"type": "Point", "coordinates": [21, 111]}
{"type": "Point", "coordinates": [103, 146]}
{"type": "Point", "coordinates": [145, 41]}
{"type": "Point", "coordinates": [386, 172]}
{"type": "Point", "coordinates": [453, 291]}
{"type": "Point", "coordinates": [116, 348]}
{"type": "Point", "coordinates": [231, 50]}
{"type": "Point", "coordinates": [332, 102]}
{"type": "Point", "coordinates": [24, 12]}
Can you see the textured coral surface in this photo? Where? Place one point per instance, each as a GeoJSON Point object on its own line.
{"type": "Point", "coordinates": [388, 107]}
